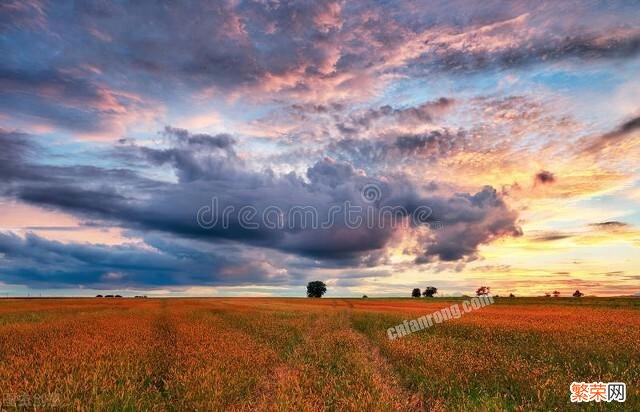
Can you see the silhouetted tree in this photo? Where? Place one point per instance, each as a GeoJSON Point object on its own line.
{"type": "Point", "coordinates": [483, 290]}
{"type": "Point", "coordinates": [430, 291]}
{"type": "Point", "coordinates": [98, 296]}
{"type": "Point", "coordinates": [547, 294]}
{"type": "Point", "coordinates": [556, 293]}
{"type": "Point", "coordinates": [578, 294]}
{"type": "Point", "coordinates": [415, 293]}
{"type": "Point", "coordinates": [364, 296]}
{"type": "Point", "coordinates": [316, 289]}
{"type": "Point", "coordinates": [511, 295]}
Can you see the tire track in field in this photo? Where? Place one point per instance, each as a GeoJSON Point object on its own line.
{"type": "Point", "coordinates": [321, 350]}
{"type": "Point", "coordinates": [216, 364]}
{"type": "Point", "coordinates": [386, 370]}
{"type": "Point", "coordinates": [164, 340]}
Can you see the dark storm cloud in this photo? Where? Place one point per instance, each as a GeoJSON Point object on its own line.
{"type": "Point", "coordinates": [45, 263]}
{"type": "Point", "coordinates": [544, 177]}
{"type": "Point", "coordinates": [468, 221]}
{"type": "Point", "coordinates": [97, 202]}
{"type": "Point", "coordinates": [123, 197]}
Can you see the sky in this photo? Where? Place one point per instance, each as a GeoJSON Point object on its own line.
{"type": "Point", "coordinates": [191, 149]}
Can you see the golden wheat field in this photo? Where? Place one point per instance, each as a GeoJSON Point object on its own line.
{"type": "Point", "coordinates": [312, 354]}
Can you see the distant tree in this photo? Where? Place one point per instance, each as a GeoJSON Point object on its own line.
{"type": "Point", "coordinates": [511, 295]}
{"type": "Point", "coordinates": [316, 289]}
{"type": "Point", "coordinates": [578, 294]}
{"type": "Point", "coordinates": [483, 290]}
{"type": "Point", "coordinates": [415, 293]}
{"type": "Point", "coordinates": [98, 296]}
{"type": "Point", "coordinates": [118, 296]}
{"type": "Point", "coordinates": [496, 296]}
{"type": "Point", "coordinates": [430, 291]}
{"type": "Point", "coordinates": [547, 294]}
{"type": "Point", "coordinates": [556, 293]}
{"type": "Point", "coordinates": [364, 296]}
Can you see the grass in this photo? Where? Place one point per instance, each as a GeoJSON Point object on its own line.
{"type": "Point", "coordinates": [320, 354]}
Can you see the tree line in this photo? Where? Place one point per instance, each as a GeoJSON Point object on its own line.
{"type": "Point", "coordinates": [317, 288]}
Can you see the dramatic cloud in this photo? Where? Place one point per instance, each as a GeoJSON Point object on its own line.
{"type": "Point", "coordinates": [468, 221]}
{"type": "Point", "coordinates": [124, 198]}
